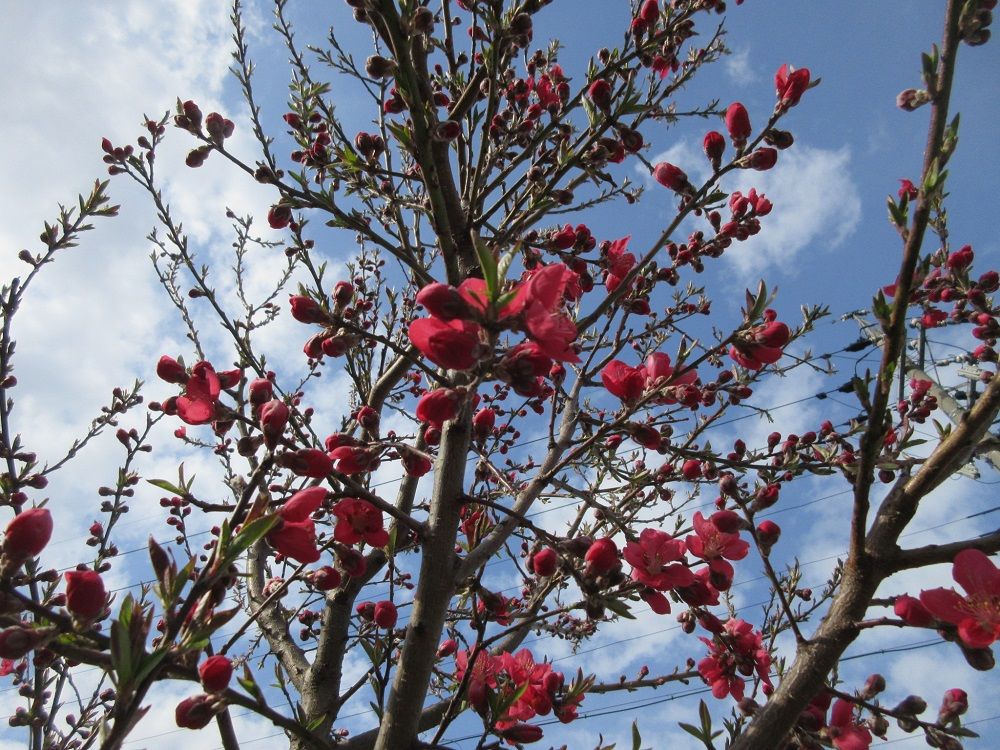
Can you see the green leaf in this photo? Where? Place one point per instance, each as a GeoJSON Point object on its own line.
{"type": "Point", "coordinates": [163, 484]}
{"type": "Point", "coordinates": [636, 737]}
{"type": "Point", "coordinates": [619, 607]}
{"type": "Point", "coordinates": [706, 718]}
{"type": "Point", "coordinates": [121, 653]}
{"type": "Point", "coordinates": [488, 264]}
{"type": "Point", "coordinates": [897, 212]}
{"type": "Point", "coordinates": [402, 134]}
{"type": "Point", "coordinates": [250, 534]}
{"type": "Point", "coordinates": [148, 664]}
{"type": "Point", "coordinates": [693, 731]}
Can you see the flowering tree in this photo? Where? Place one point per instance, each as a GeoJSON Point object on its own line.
{"type": "Point", "coordinates": [471, 318]}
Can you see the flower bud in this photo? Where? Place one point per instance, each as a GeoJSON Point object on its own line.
{"type": "Point", "coordinates": [27, 534]}
{"type": "Point", "coordinates": [85, 594]}
{"type": "Point", "coordinates": [714, 144]}
{"type": "Point", "coordinates": [768, 533]}
{"type": "Point", "coordinates": [601, 557]}
{"type": "Point", "coordinates": [670, 176]}
{"type": "Point", "coordinates": [18, 641]}
{"type": "Point", "coordinates": [273, 418]}
{"type": "Point", "coordinates": [195, 712]}
{"type": "Point", "coordinates": [738, 122]}
{"type": "Point", "coordinates": [385, 615]}
{"type": "Point", "coordinates": [911, 704]}
{"type": "Point", "coordinates": [343, 293]}
{"type": "Point", "coordinates": [215, 673]}
{"type": "Point", "coordinates": [279, 216]}
{"type": "Point", "coordinates": [325, 578]}
{"type": "Point", "coordinates": [874, 685]}
{"type": "Point", "coordinates": [170, 370]}
{"type": "Point", "coordinates": [762, 159]}
{"type": "Point", "coordinates": [447, 648]}
{"type": "Point", "coordinates": [545, 562]}
{"type": "Point", "coordinates": [306, 310]}
{"type": "Point", "coordinates": [378, 67]}
{"type": "Point", "coordinates": [522, 733]}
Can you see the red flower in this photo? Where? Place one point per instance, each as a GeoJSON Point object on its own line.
{"type": "Point", "coordinates": [215, 673]}
{"type": "Point", "coordinates": [601, 557]}
{"type": "Point", "coordinates": [295, 537]}
{"type": "Point", "coordinates": [544, 320]}
{"type": "Point", "coordinates": [195, 712]}
{"type": "Point", "coordinates": [844, 731]}
{"type": "Point", "coordinates": [709, 543]}
{"type": "Point", "coordinates": [907, 190]}
{"type": "Point", "coordinates": [260, 391]}
{"type": "Point", "coordinates": [790, 84]}
{"type": "Point", "coordinates": [691, 469]}
{"type": "Point", "coordinates": [670, 176]}
{"type": "Point", "coordinates": [447, 648]}
{"type": "Point", "coordinates": [385, 615]}
{"type": "Point", "coordinates": [444, 302]}
{"type": "Point", "coordinates": [85, 594]}
{"type": "Point", "coordinates": [954, 704]}
{"type": "Point", "coordinates": [453, 345]}
{"type": "Point", "coordinates": [484, 675]}
{"type": "Point", "coordinates": [977, 615]}
{"type": "Point", "coordinates": [623, 381]}
{"type": "Point", "coordinates": [773, 334]}
{"type": "Point", "coordinates": [660, 373]}
{"type": "Point", "coordinates": [961, 258]}
{"type": "Point", "coordinates": [911, 611]}
{"type": "Point", "coordinates": [27, 534]}
{"type": "Point", "coordinates": [201, 394]}
{"type": "Point", "coordinates": [415, 463]}
{"type": "Point", "coordinates": [357, 521]}
{"type": "Point", "coordinates": [737, 645]}
{"type": "Point", "coordinates": [619, 264]}
{"type": "Point", "coordinates": [437, 407]}
{"type": "Point", "coordinates": [649, 12]}
{"type": "Point", "coordinates": [657, 602]}
{"type": "Point", "coordinates": [738, 122]}
{"type": "Point", "coordinates": [351, 459]}
{"type": "Point", "coordinates": [656, 560]}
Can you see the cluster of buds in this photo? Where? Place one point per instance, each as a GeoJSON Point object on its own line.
{"type": "Point", "coordinates": [217, 127]}
{"type": "Point", "coordinates": [761, 345]}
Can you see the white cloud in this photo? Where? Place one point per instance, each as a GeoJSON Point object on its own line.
{"type": "Point", "coordinates": [738, 67]}
{"type": "Point", "coordinates": [817, 205]}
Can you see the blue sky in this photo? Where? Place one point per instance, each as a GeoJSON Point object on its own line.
{"type": "Point", "coordinates": [75, 73]}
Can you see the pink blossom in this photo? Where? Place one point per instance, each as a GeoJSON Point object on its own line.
{"type": "Point", "coordinates": [844, 731]}
{"type": "Point", "coordinates": [977, 615]}
{"type": "Point", "coordinates": [656, 560]}
{"type": "Point", "coordinates": [201, 394]}
{"type": "Point", "coordinates": [359, 520]}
